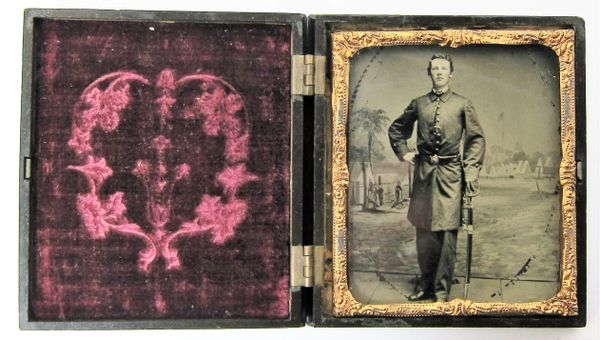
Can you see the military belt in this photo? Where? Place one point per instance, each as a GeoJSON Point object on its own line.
{"type": "Point", "coordinates": [437, 159]}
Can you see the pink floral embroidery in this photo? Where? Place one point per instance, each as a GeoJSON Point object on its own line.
{"type": "Point", "coordinates": [182, 171]}
{"type": "Point", "coordinates": [236, 149]}
{"type": "Point", "coordinates": [165, 103]}
{"type": "Point", "coordinates": [142, 168]}
{"type": "Point", "coordinates": [232, 178]}
{"type": "Point", "coordinates": [101, 108]}
{"type": "Point", "coordinates": [222, 112]}
{"type": "Point", "coordinates": [95, 170]}
{"type": "Point", "coordinates": [98, 216]}
{"type": "Point", "coordinates": [231, 126]}
{"type": "Point", "coordinates": [161, 143]}
{"type": "Point", "coordinates": [211, 125]}
{"type": "Point", "coordinates": [233, 103]}
{"type": "Point", "coordinates": [211, 100]}
{"type": "Point", "coordinates": [166, 80]}
{"type": "Point", "coordinates": [166, 83]}
{"type": "Point", "coordinates": [161, 169]}
{"type": "Point", "coordinates": [222, 218]}
{"type": "Point", "coordinates": [80, 141]}
{"type": "Point", "coordinates": [104, 107]}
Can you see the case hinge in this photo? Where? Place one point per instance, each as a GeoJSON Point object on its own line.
{"type": "Point", "coordinates": [308, 75]}
{"type": "Point", "coordinates": [307, 266]}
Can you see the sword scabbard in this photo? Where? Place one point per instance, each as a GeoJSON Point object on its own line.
{"type": "Point", "coordinates": [467, 212]}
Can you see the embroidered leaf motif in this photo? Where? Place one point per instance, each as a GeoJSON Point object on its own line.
{"type": "Point", "coordinates": [219, 110]}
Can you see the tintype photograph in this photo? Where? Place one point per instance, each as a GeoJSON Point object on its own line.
{"type": "Point", "coordinates": [160, 175]}
{"type": "Point", "coordinates": [433, 127]}
{"type": "Point", "coordinates": [453, 155]}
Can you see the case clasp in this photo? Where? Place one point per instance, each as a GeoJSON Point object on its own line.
{"type": "Point", "coordinates": [27, 168]}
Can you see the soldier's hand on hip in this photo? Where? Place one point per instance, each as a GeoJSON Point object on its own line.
{"type": "Point", "coordinates": [472, 188]}
{"type": "Point", "coordinates": [409, 157]}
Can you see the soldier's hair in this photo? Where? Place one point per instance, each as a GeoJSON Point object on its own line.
{"type": "Point", "coordinates": [440, 56]}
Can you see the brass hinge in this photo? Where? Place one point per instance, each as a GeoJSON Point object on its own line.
{"type": "Point", "coordinates": [308, 75]}
{"type": "Point", "coordinates": [307, 266]}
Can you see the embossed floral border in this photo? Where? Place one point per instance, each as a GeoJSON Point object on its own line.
{"type": "Point", "coordinates": [344, 45]}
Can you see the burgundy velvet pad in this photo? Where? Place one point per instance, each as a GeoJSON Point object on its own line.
{"type": "Point", "coordinates": [161, 171]}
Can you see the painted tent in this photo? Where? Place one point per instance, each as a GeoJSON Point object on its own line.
{"type": "Point", "coordinates": [538, 171]}
{"type": "Point", "coordinates": [526, 169]}
{"type": "Point", "coordinates": [483, 173]}
{"type": "Point", "coordinates": [551, 167]}
{"type": "Point", "coordinates": [506, 170]}
{"type": "Point", "coordinates": [523, 169]}
{"type": "Point", "coordinates": [493, 173]}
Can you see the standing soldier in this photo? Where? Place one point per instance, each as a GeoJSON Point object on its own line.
{"type": "Point", "coordinates": [444, 119]}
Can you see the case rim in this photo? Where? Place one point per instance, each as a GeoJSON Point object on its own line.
{"type": "Point", "coordinates": [310, 206]}
{"type": "Point", "coordinates": [297, 23]}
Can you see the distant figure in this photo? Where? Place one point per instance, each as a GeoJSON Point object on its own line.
{"type": "Point", "coordinates": [372, 195]}
{"type": "Point", "coordinates": [442, 118]}
{"type": "Point", "coordinates": [398, 193]}
{"type": "Point", "coordinates": [380, 194]}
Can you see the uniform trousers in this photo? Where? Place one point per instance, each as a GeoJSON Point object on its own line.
{"type": "Point", "coordinates": [436, 251]}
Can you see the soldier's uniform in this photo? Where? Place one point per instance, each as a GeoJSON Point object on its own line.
{"type": "Point", "coordinates": [443, 121]}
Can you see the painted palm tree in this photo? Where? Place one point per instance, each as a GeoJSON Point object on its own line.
{"type": "Point", "coordinates": [367, 125]}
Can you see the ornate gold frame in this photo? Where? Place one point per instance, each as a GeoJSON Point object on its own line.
{"type": "Point", "coordinates": [344, 45]}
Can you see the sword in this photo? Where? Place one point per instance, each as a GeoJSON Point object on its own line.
{"type": "Point", "coordinates": [468, 228]}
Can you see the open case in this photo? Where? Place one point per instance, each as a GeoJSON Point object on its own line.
{"type": "Point", "coordinates": [208, 170]}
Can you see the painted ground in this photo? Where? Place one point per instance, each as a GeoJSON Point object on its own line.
{"type": "Point", "coordinates": [516, 237]}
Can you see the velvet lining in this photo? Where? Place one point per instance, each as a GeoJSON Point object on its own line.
{"type": "Point", "coordinates": [161, 171]}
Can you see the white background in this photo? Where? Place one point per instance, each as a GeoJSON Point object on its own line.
{"type": "Point", "coordinates": [11, 24]}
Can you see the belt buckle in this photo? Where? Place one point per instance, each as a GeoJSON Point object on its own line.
{"type": "Point", "coordinates": [435, 159]}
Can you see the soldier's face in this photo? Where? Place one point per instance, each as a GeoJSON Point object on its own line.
{"type": "Point", "coordinates": [440, 72]}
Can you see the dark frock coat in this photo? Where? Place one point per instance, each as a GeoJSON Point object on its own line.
{"type": "Point", "coordinates": [444, 123]}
